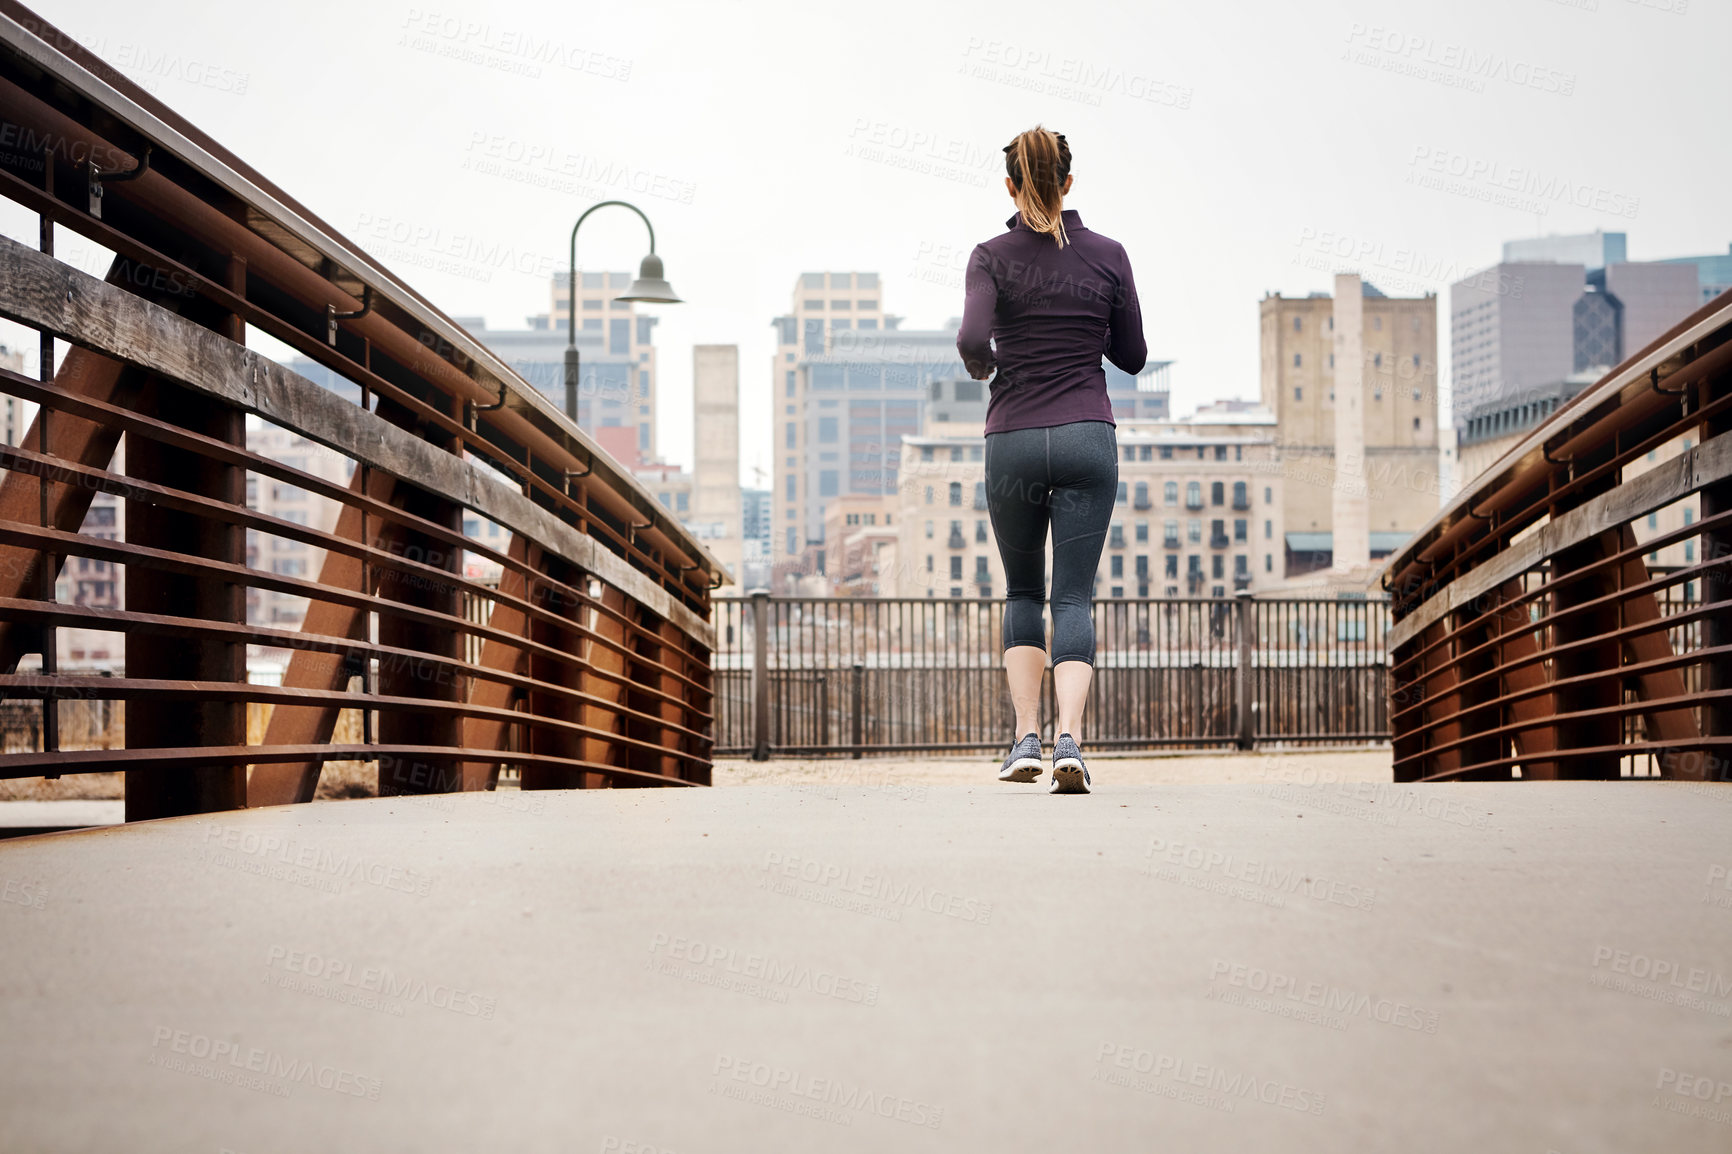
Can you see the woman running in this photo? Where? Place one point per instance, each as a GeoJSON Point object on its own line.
{"type": "Point", "coordinates": [1044, 301]}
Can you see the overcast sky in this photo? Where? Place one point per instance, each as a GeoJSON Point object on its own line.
{"type": "Point", "coordinates": [1235, 148]}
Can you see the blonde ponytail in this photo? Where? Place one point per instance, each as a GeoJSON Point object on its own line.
{"type": "Point", "coordinates": [1037, 162]}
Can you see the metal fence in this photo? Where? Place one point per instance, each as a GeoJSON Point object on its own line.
{"type": "Point", "coordinates": [572, 642]}
{"type": "Point", "coordinates": [1535, 635]}
{"type": "Point", "coordinates": [813, 675]}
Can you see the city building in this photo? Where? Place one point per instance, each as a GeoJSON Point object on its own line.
{"type": "Point", "coordinates": [272, 498]}
{"type": "Point", "coordinates": [718, 516]}
{"type": "Point", "coordinates": [616, 401]}
{"type": "Point", "coordinates": [1492, 428]}
{"type": "Point", "coordinates": [755, 514]}
{"type": "Point", "coordinates": [1555, 307]}
{"type": "Point", "coordinates": [1198, 511]}
{"type": "Point", "coordinates": [14, 414]}
{"type": "Point", "coordinates": [1713, 272]}
{"type": "Point", "coordinates": [860, 545]}
{"type": "Point", "coordinates": [848, 384]}
{"type": "Point", "coordinates": [1350, 379]}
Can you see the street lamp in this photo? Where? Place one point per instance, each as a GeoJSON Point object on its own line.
{"type": "Point", "coordinates": [650, 287]}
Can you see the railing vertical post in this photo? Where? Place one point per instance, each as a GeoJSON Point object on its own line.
{"type": "Point", "coordinates": [859, 709]}
{"type": "Point", "coordinates": [1715, 545]}
{"type": "Point", "coordinates": [1242, 688]}
{"type": "Point", "coordinates": [760, 675]}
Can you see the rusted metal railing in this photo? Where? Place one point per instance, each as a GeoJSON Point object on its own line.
{"type": "Point", "coordinates": [581, 655]}
{"type": "Point", "coordinates": [1536, 633]}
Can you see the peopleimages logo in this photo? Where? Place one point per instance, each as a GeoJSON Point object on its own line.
{"type": "Point", "coordinates": [336, 977]}
{"type": "Point", "coordinates": [1274, 880]}
{"type": "Point", "coordinates": [208, 1056]}
{"type": "Point", "coordinates": [831, 1092]}
{"type": "Point", "coordinates": [871, 884]}
{"type": "Point", "coordinates": [775, 975]}
{"type": "Point", "coordinates": [1257, 988]}
{"type": "Point", "coordinates": [1232, 1087]}
{"type": "Point", "coordinates": [1511, 185]}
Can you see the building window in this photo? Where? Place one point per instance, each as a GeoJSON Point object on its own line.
{"type": "Point", "coordinates": [827, 482]}
{"type": "Point", "coordinates": [1268, 529]}
{"type": "Point", "coordinates": [1298, 393]}
{"type": "Point", "coordinates": [827, 430]}
{"type": "Point", "coordinates": [792, 480]}
{"type": "Point", "coordinates": [929, 528]}
{"type": "Point", "coordinates": [1297, 327]}
{"type": "Point", "coordinates": [1172, 566]}
{"type": "Point", "coordinates": [1296, 360]}
{"type": "Point", "coordinates": [1193, 494]}
{"type": "Point", "coordinates": [790, 382]}
{"type": "Point", "coordinates": [1217, 567]}
{"type": "Point", "coordinates": [1166, 452]}
{"type": "Point", "coordinates": [790, 435]}
{"type": "Point", "coordinates": [1142, 531]}
{"type": "Point", "coordinates": [980, 494]}
{"type": "Point", "coordinates": [1416, 423]}
{"type": "Point", "coordinates": [956, 568]}
{"type": "Point", "coordinates": [1170, 530]}
{"type": "Point", "coordinates": [1118, 566]}
{"type": "Point", "coordinates": [980, 532]}
{"type": "Point", "coordinates": [1124, 491]}
{"type": "Point", "coordinates": [792, 547]}
{"type": "Point", "coordinates": [1170, 492]}
{"type": "Point", "coordinates": [1194, 529]}
{"type": "Point", "coordinates": [1217, 493]}
{"type": "Point", "coordinates": [1241, 529]}
{"type": "Point", "coordinates": [929, 494]}
{"type": "Point", "coordinates": [1268, 563]}
{"type": "Point", "coordinates": [1268, 495]}
{"type": "Point", "coordinates": [956, 494]}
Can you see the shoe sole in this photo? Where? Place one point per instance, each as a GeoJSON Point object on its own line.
{"type": "Point", "coordinates": [1068, 777]}
{"type": "Point", "coordinates": [1023, 769]}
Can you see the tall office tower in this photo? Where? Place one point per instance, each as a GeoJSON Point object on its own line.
{"type": "Point", "coordinates": [755, 531]}
{"type": "Point", "coordinates": [848, 384]}
{"type": "Point", "coordinates": [1350, 543]}
{"type": "Point", "coordinates": [1557, 308]}
{"type": "Point", "coordinates": [716, 505]}
{"type": "Point", "coordinates": [824, 303]}
{"type": "Point", "coordinates": [628, 400]}
{"type": "Point", "coordinates": [1401, 454]}
{"type": "Point", "coordinates": [617, 360]}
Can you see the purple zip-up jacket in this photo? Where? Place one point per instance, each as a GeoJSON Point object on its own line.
{"type": "Point", "coordinates": [1053, 313]}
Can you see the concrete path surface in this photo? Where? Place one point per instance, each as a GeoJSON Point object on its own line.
{"type": "Point", "coordinates": [865, 967]}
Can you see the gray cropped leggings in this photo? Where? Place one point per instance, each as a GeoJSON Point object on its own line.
{"type": "Point", "coordinates": [1066, 476]}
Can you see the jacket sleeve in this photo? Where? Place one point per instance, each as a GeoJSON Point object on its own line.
{"type": "Point", "coordinates": [1127, 348]}
{"type": "Point", "coordinates": [980, 300]}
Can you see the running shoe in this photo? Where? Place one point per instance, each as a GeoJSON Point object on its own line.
{"type": "Point", "coordinates": [1069, 774]}
{"type": "Point", "coordinates": [1023, 764]}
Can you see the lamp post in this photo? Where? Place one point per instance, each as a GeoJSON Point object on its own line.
{"type": "Point", "coordinates": [650, 287]}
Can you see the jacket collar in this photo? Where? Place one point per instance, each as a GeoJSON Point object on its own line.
{"type": "Point", "coordinates": [1072, 222]}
